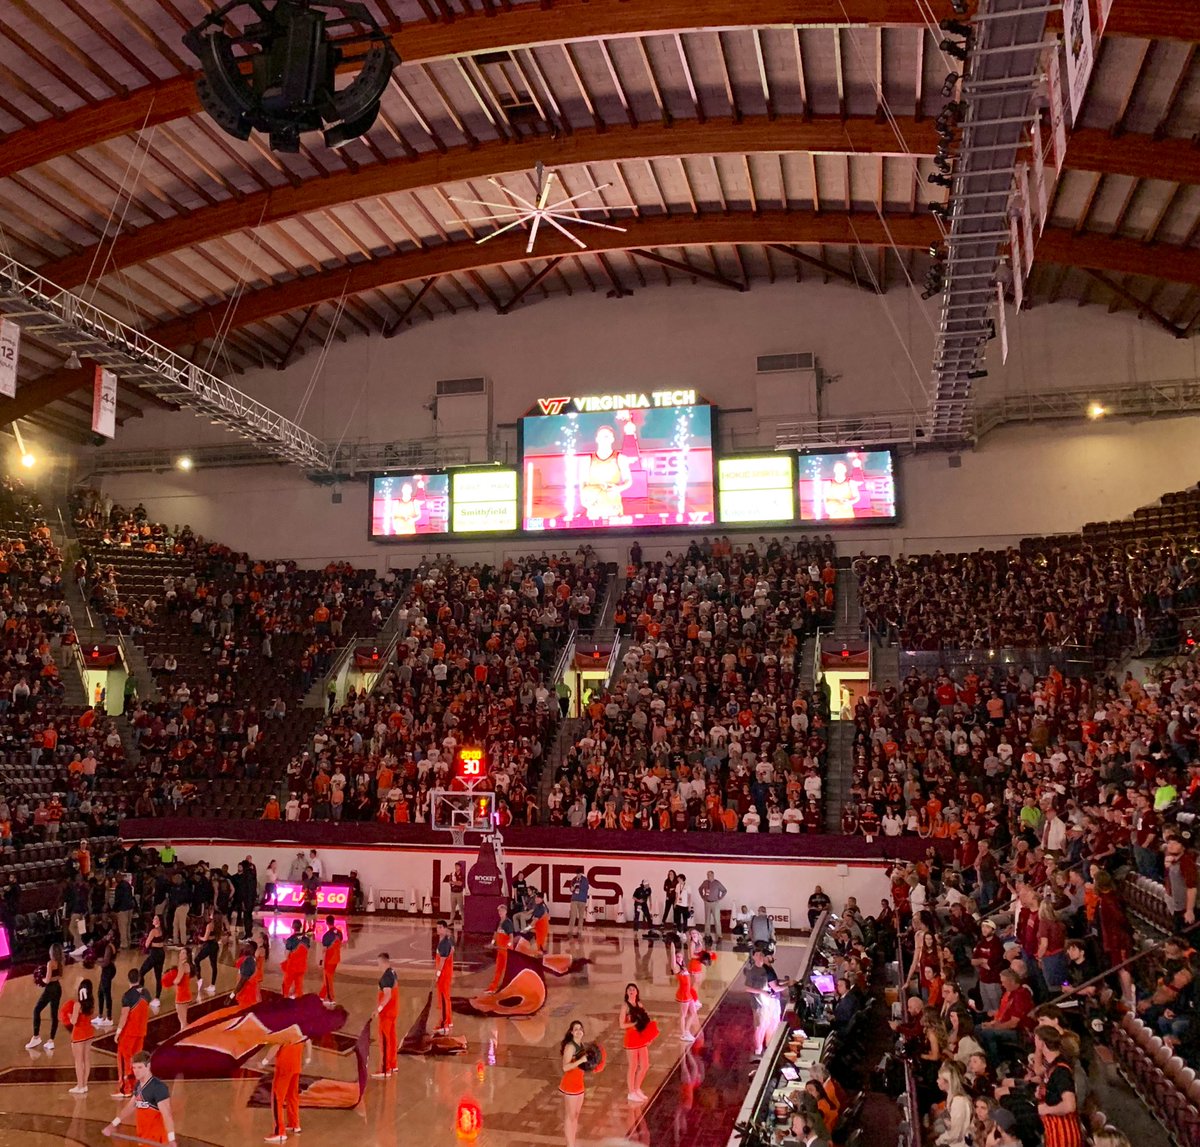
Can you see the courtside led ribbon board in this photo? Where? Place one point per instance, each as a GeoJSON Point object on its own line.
{"type": "Point", "coordinates": [104, 403]}
{"type": "Point", "coordinates": [330, 897]}
{"type": "Point", "coordinates": [10, 352]}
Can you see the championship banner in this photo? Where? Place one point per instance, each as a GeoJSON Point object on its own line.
{"type": "Point", "coordinates": [1058, 121]}
{"type": "Point", "coordinates": [1014, 254]}
{"type": "Point", "coordinates": [1002, 323]}
{"type": "Point", "coordinates": [10, 352]}
{"type": "Point", "coordinates": [104, 403]}
{"type": "Point", "coordinates": [1039, 174]}
{"type": "Point", "coordinates": [1077, 23]}
{"type": "Point", "coordinates": [1026, 215]}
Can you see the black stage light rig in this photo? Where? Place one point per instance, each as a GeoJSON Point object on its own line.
{"type": "Point", "coordinates": [274, 71]}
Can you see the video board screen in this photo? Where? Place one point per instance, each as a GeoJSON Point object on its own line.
{"type": "Point", "coordinates": [409, 505]}
{"type": "Point", "coordinates": [848, 486]}
{"type": "Point", "coordinates": [759, 488]}
{"type": "Point", "coordinates": [483, 501]}
{"type": "Point", "coordinates": [618, 468]}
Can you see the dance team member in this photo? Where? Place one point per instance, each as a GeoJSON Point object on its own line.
{"type": "Point", "coordinates": [290, 1059]}
{"type": "Point", "coordinates": [51, 997]}
{"type": "Point", "coordinates": [155, 947]}
{"type": "Point", "coordinates": [151, 1104]}
{"type": "Point", "coordinates": [107, 963]}
{"type": "Point", "coordinates": [263, 955]}
{"type": "Point", "coordinates": [388, 1006]}
{"type": "Point", "coordinates": [295, 963]}
{"type": "Point", "coordinates": [640, 1032]}
{"type": "Point", "coordinates": [210, 947]}
{"type": "Point", "coordinates": [502, 940]}
{"type": "Point", "coordinates": [541, 922]}
{"type": "Point", "coordinates": [131, 1032]}
{"type": "Point", "coordinates": [78, 1018]}
{"type": "Point", "coordinates": [443, 965]}
{"type": "Point", "coordinates": [331, 943]}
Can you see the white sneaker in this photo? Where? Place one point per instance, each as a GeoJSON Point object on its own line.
{"type": "Point", "coordinates": [211, 990]}
{"type": "Point", "coordinates": [35, 1042]}
{"type": "Point", "coordinates": [687, 1038]}
{"type": "Point", "coordinates": [275, 1139]}
{"type": "Point", "coordinates": [633, 1097]}
{"type": "Point", "coordinates": [49, 1045]}
{"type": "Point", "coordinates": [78, 1091]}
{"type": "Point", "coordinates": [119, 1095]}
{"type": "Point", "coordinates": [155, 1005]}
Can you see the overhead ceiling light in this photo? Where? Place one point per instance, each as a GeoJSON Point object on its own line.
{"type": "Point", "coordinates": [73, 362]}
{"type": "Point", "coordinates": [288, 87]}
{"type": "Point", "coordinates": [1096, 410]}
{"type": "Point", "coordinates": [28, 460]}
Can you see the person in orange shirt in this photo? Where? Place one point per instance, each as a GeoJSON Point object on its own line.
{"type": "Point", "coordinates": [290, 1058]}
{"type": "Point", "coordinates": [388, 1005]}
{"type": "Point", "coordinates": [272, 810]}
{"type": "Point", "coordinates": [331, 942]}
{"type": "Point", "coordinates": [131, 1032]}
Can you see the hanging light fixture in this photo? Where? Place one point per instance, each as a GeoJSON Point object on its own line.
{"type": "Point", "coordinates": [277, 76]}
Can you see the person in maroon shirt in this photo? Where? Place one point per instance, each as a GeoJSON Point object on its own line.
{"type": "Point", "coordinates": [1004, 1034]}
{"type": "Point", "coordinates": [987, 957]}
{"type": "Point", "coordinates": [813, 820]}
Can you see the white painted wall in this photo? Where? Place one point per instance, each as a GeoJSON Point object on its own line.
{"type": "Point", "coordinates": [1021, 481]}
{"type": "Point", "coordinates": [783, 884]}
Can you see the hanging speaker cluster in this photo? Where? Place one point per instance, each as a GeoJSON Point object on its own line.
{"type": "Point", "coordinates": [277, 74]}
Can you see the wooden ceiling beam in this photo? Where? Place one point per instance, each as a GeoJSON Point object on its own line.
{"type": "Point", "coordinates": [753, 135]}
{"type": "Point", "coordinates": [1173, 160]}
{"type": "Point", "coordinates": [568, 20]}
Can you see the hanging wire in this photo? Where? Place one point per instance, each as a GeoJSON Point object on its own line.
{"type": "Point", "coordinates": [309, 390]}
{"type": "Point", "coordinates": [226, 323]}
{"type": "Point", "coordinates": [138, 145]}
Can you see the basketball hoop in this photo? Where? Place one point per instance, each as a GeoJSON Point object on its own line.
{"type": "Point", "coordinates": [458, 834]}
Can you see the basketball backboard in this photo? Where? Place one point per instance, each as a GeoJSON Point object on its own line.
{"type": "Point", "coordinates": [457, 811]}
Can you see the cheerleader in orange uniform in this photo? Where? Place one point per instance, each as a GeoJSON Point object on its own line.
{"type": "Point", "coordinates": [640, 1032]}
{"type": "Point", "coordinates": [78, 1018]}
{"type": "Point", "coordinates": [698, 959]}
{"type": "Point", "coordinates": [541, 922]}
{"type": "Point", "coordinates": [185, 972]}
{"type": "Point", "coordinates": [246, 990]}
{"type": "Point", "coordinates": [502, 940]}
{"type": "Point", "coordinates": [331, 942]}
{"type": "Point", "coordinates": [295, 963]}
{"type": "Point", "coordinates": [685, 995]}
{"type": "Point", "coordinates": [576, 1059]}
{"type": "Point", "coordinates": [150, 1104]}
{"type": "Point", "coordinates": [285, 1088]}
{"type": "Point", "coordinates": [387, 1009]}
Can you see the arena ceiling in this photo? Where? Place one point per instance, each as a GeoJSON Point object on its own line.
{"type": "Point", "coordinates": [734, 145]}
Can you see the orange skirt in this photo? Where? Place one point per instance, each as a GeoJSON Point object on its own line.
{"type": "Point", "coordinates": [572, 1082]}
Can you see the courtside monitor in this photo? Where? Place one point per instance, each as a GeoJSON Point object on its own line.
{"type": "Point", "coordinates": [847, 486]}
{"type": "Point", "coordinates": [409, 505]}
{"type": "Point", "coordinates": [756, 488]}
{"type": "Point", "coordinates": [623, 467]}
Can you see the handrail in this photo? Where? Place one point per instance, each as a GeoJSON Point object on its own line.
{"type": "Point", "coordinates": [565, 657]}
{"type": "Point", "coordinates": [612, 658]}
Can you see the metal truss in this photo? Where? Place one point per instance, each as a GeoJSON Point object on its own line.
{"type": "Point", "coordinates": [1004, 71]}
{"type": "Point", "coordinates": [348, 461]}
{"type": "Point", "coordinates": [1160, 399]}
{"type": "Point", "coordinates": [67, 321]}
